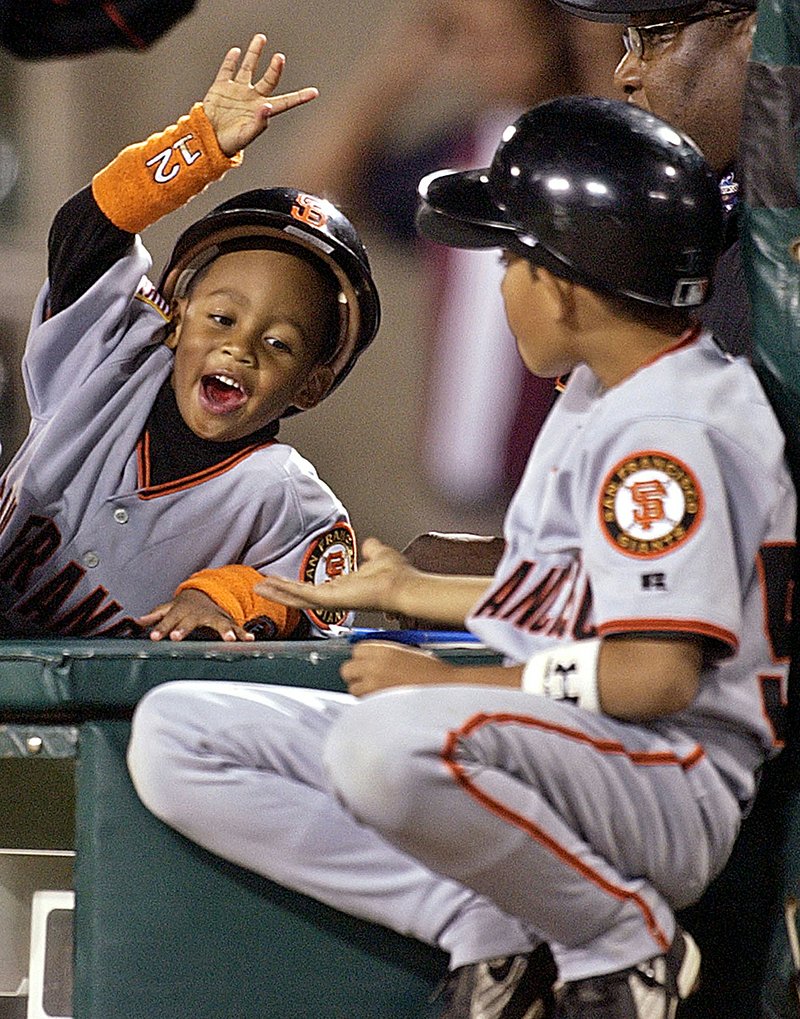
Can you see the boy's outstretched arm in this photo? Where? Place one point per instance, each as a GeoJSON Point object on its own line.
{"type": "Point", "coordinates": [95, 227]}
{"type": "Point", "coordinates": [154, 177]}
{"type": "Point", "coordinates": [385, 582]}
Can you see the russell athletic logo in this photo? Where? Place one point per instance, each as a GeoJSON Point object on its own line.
{"type": "Point", "coordinates": [650, 503]}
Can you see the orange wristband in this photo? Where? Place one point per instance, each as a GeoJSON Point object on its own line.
{"type": "Point", "coordinates": [149, 179]}
{"type": "Point", "coordinates": [231, 587]}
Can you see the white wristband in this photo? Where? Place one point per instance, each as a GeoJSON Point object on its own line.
{"type": "Point", "coordinates": [566, 672]}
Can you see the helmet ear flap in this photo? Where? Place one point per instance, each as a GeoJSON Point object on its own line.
{"type": "Point", "coordinates": [184, 280]}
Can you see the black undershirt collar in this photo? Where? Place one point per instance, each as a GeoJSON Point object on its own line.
{"type": "Point", "coordinates": [176, 452]}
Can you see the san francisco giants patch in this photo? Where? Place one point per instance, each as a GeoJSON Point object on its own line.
{"type": "Point", "coordinates": [650, 503]}
{"type": "Point", "coordinates": [330, 555]}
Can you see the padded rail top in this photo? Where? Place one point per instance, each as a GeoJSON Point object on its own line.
{"type": "Point", "coordinates": [69, 680]}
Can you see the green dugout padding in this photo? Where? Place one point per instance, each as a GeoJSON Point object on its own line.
{"type": "Point", "coordinates": [105, 678]}
{"type": "Point", "coordinates": [163, 928]}
{"type": "Point", "coordinates": [769, 164]}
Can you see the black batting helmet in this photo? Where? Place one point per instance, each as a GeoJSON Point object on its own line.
{"type": "Point", "coordinates": [303, 224]}
{"type": "Point", "coordinates": [599, 192]}
{"type": "Point", "coordinates": [641, 12]}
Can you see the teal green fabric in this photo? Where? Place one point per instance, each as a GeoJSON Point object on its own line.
{"type": "Point", "coordinates": [771, 208]}
{"type": "Point", "coordinates": [105, 677]}
{"type": "Point", "coordinates": [770, 171]}
{"type": "Point", "coordinates": [166, 929]}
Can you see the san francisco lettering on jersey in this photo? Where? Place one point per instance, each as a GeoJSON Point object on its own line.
{"type": "Point", "coordinates": [557, 604]}
{"type": "Point", "coordinates": [39, 607]}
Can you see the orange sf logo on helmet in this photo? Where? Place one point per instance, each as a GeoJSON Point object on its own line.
{"type": "Point", "coordinates": [308, 210]}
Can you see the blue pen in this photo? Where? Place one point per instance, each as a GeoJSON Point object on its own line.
{"type": "Point", "coordinates": [414, 637]}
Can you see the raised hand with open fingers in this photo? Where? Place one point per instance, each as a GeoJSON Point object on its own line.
{"type": "Point", "coordinates": [239, 108]}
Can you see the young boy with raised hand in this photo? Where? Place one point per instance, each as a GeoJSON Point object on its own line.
{"type": "Point", "coordinates": [542, 820]}
{"type": "Point", "coordinates": [152, 474]}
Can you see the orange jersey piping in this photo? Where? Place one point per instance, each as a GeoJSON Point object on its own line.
{"type": "Point", "coordinates": [537, 833]}
{"type": "Point", "coordinates": [693, 626]}
{"type": "Point", "coordinates": [171, 487]}
{"type": "Point", "coordinates": [692, 335]}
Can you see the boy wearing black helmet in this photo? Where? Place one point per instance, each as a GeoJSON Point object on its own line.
{"type": "Point", "coordinates": [541, 820]}
{"type": "Point", "coordinates": [152, 462]}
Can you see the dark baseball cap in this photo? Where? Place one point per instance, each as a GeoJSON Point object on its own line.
{"type": "Point", "coordinates": [632, 12]}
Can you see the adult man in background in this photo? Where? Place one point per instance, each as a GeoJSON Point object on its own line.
{"type": "Point", "coordinates": [686, 61]}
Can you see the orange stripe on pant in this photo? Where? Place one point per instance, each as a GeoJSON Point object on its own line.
{"type": "Point", "coordinates": [449, 757]}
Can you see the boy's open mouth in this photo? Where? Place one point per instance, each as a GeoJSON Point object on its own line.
{"type": "Point", "coordinates": [221, 394]}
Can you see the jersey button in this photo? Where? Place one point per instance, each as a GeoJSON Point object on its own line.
{"type": "Point", "coordinates": [91, 559]}
{"type": "Point", "coordinates": [121, 515]}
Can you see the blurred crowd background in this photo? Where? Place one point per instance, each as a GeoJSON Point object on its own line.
{"type": "Point", "coordinates": [416, 440]}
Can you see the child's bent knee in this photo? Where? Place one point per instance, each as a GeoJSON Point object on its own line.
{"type": "Point", "coordinates": [374, 771]}
{"type": "Point", "coordinates": [156, 722]}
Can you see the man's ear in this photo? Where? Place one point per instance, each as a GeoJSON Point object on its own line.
{"type": "Point", "coordinates": [177, 311]}
{"type": "Point", "coordinates": [750, 24]}
{"type": "Point", "coordinates": [315, 388]}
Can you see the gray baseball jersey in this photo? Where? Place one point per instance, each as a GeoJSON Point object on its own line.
{"type": "Point", "coordinates": [486, 819]}
{"type": "Point", "coordinates": [650, 509]}
{"type": "Point", "coordinates": [86, 543]}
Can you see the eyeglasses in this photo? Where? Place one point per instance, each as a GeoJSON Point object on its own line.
{"type": "Point", "coordinates": [641, 40]}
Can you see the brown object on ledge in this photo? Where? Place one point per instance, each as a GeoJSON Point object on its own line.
{"type": "Point", "coordinates": [471, 555]}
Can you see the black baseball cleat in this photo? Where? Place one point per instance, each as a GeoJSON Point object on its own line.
{"type": "Point", "coordinates": [651, 990]}
{"type": "Point", "coordinates": [512, 987]}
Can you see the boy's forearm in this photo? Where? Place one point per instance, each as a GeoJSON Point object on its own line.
{"type": "Point", "coordinates": [442, 598]}
{"type": "Point", "coordinates": [154, 177]}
